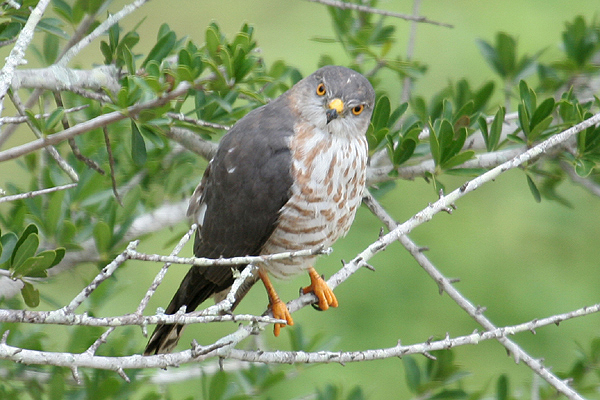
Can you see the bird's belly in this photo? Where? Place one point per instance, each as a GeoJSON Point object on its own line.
{"type": "Point", "coordinates": [324, 200]}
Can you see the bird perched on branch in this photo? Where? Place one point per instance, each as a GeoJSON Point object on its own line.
{"type": "Point", "coordinates": [288, 176]}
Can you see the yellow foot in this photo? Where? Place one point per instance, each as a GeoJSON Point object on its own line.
{"type": "Point", "coordinates": [280, 311]}
{"type": "Point", "coordinates": [278, 307]}
{"type": "Point", "coordinates": [319, 287]}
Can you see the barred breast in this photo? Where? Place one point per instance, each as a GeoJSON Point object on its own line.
{"type": "Point", "coordinates": [329, 180]}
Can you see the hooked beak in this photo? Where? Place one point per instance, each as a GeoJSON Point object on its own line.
{"type": "Point", "coordinates": [336, 107]}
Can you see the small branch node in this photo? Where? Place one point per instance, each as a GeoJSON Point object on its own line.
{"type": "Point", "coordinates": [76, 376]}
{"type": "Point", "coordinates": [429, 355]}
{"type": "Point", "coordinates": [4, 337]}
{"type": "Point", "coordinates": [123, 375]}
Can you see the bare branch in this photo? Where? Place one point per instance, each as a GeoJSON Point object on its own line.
{"type": "Point", "coordinates": [475, 312]}
{"type": "Point", "coordinates": [36, 193]}
{"type": "Point", "coordinates": [57, 78]}
{"type": "Point", "coordinates": [357, 7]}
{"type": "Point", "coordinates": [163, 271]}
{"type": "Point", "coordinates": [192, 142]}
{"type": "Point", "coordinates": [487, 160]}
{"type": "Point", "coordinates": [223, 348]}
{"type": "Point", "coordinates": [18, 51]}
{"type": "Point", "coordinates": [62, 163]}
{"type": "Point", "coordinates": [198, 261]}
{"type": "Point", "coordinates": [60, 317]}
{"type": "Point", "coordinates": [296, 357]}
{"type": "Point", "coordinates": [21, 119]}
{"type": "Point", "coordinates": [198, 122]}
{"type": "Point", "coordinates": [101, 120]}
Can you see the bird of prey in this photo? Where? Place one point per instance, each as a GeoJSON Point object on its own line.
{"type": "Point", "coordinates": [288, 176]}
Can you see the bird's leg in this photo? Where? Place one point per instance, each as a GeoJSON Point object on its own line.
{"type": "Point", "coordinates": [278, 307]}
{"type": "Point", "coordinates": [320, 288]}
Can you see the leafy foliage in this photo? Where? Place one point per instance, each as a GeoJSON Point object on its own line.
{"type": "Point", "coordinates": [229, 78]}
{"type": "Point", "coordinates": [20, 257]}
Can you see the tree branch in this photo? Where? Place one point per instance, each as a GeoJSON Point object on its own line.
{"type": "Point", "coordinates": [93, 123]}
{"type": "Point", "coordinates": [192, 142]}
{"type": "Point", "coordinates": [342, 357]}
{"type": "Point", "coordinates": [475, 312]}
{"type": "Point", "coordinates": [18, 51]}
{"type": "Point", "coordinates": [351, 6]}
{"type": "Point", "coordinates": [34, 193]}
{"type": "Point", "coordinates": [57, 78]}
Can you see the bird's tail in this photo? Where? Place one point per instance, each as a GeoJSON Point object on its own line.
{"type": "Point", "coordinates": [194, 290]}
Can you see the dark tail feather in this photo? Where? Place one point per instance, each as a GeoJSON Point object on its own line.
{"type": "Point", "coordinates": [194, 290]}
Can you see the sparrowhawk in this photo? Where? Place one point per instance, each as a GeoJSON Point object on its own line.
{"type": "Point", "coordinates": [289, 175]}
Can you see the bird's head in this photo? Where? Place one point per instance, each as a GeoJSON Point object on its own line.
{"type": "Point", "coordinates": [336, 99]}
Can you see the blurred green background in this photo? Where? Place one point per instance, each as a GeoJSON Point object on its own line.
{"type": "Point", "coordinates": [520, 259]}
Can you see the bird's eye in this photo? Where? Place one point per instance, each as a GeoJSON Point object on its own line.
{"type": "Point", "coordinates": [358, 109]}
{"type": "Point", "coordinates": [321, 89]}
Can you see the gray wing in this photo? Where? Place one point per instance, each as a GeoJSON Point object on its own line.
{"type": "Point", "coordinates": [239, 200]}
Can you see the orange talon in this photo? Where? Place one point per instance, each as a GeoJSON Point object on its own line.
{"type": "Point", "coordinates": [320, 288]}
{"type": "Point", "coordinates": [278, 307]}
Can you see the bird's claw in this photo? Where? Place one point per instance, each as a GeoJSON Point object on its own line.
{"type": "Point", "coordinates": [320, 288]}
{"type": "Point", "coordinates": [280, 311]}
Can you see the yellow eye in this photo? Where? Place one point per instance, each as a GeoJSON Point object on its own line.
{"type": "Point", "coordinates": [358, 109]}
{"type": "Point", "coordinates": [321, 89]}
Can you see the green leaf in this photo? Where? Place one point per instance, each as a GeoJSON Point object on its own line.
{"type": "Point", "coordinates": [63, 9]}
{"type": "Point", "coordinates": [502, 388]}
{"type": "Point", "coordinates": [36, 122]}
{"type": "Point", "coordinates": [31, 295]}
{"type": "Point", "coordinates": [59, 254]}
{"type": "Point", "coordinates": [506, 48]}
{"type": "Point", "coordinates": [8, 241]}
{"type": "Point", "coordinates": [412, 373]}
{"type": "Point", "coordinates": [24, 250]}
{"type": "Point", "coordinates": [102, 237]}
{"type": "Point", "coordinates": [458, 159]}
{"type": "Point", "coordinates": [434, 145]}
{"type": "Point", "coordinates": [449, 394]}
{"type": "Point", "coordinates": [106, 52]}
{"type": "Point", "coordinates": [128, 60]}
{"type": "Point", "coordinates": [404, 151]}
{"type": "Point", "coordinates": [533, 188]}
{"type": "Point", "coordinates": [543, 111]}
{"type": "Point", "coordinates": [9, 30]}
{"type": "Point", "coordinates": [539, 128]}
{"type": "Point", "coordinates": [55, 117]}
{"type": "Point", "coordinates": [36, 266]}
{"type": "Point", "coordinates": [381, 114]}
{"type": "Point", "coordinates": [138, 146]}
{"type": "Point", "coordinates": [496, 130]}
{"type": "Point", "coordinates": [483, 127]}
{"type": "Point", "coordinates": [218, 384]}
{"type": "Point", "coordinates": [356, 394]}
{"type": "Point", "coordinates": [445, 136]}
{"type": "Point", "coordinates": [523, 119]}
{"type": "Point", "coordinates": [212, 41]}
{"type": "Point", "coordinates": [161, 49]}
{"type": "Point", "coordinates": [528, 97]}
{"type": "Point", "coordinates": [50, 48]}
